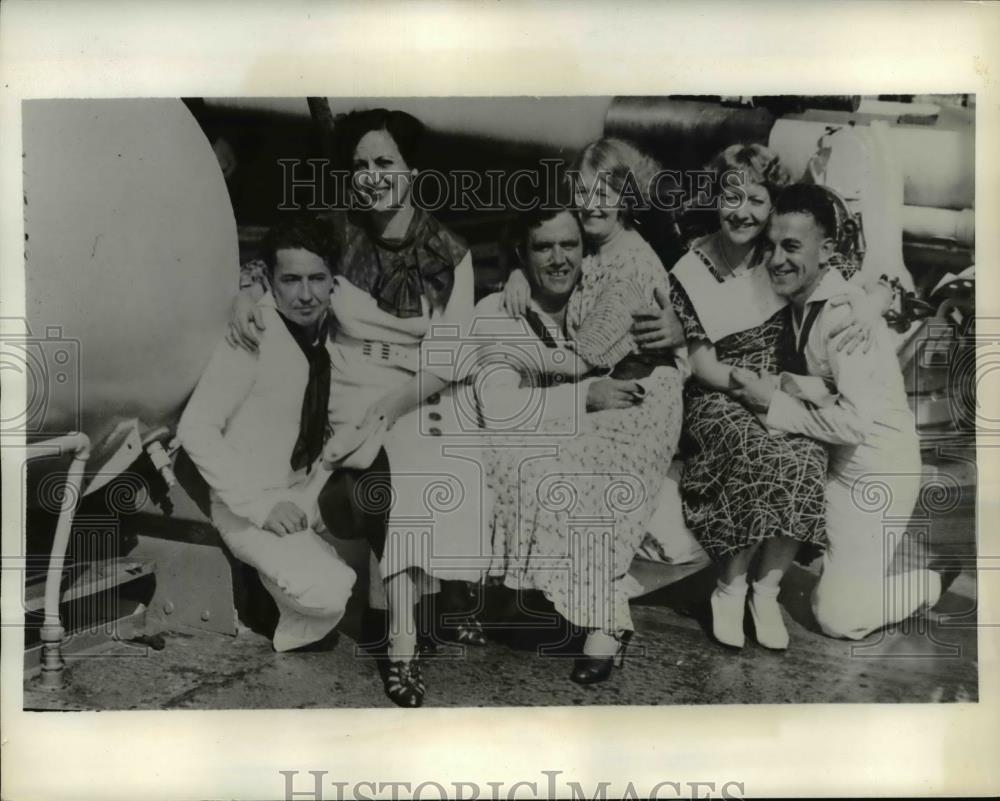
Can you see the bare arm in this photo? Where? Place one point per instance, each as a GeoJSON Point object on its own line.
{"type": "Point", "coordinates": [712, 373]}
{"type": "Point", "coordinates": [246, 319]}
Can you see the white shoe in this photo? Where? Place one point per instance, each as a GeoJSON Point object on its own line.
{"type": "Point", "coordinates": [727, 617]}
{"type": "Point", "coordinates": [767, 619]}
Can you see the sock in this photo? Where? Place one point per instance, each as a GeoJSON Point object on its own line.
{"type": "Point", "coordinates": [727, 611]}
{"type": "Point", "coordinates": [768, 591]}
{"type": "Point", "coordinates": [738, 586]}
{"type": "Point", "coordinates": [771, 631]}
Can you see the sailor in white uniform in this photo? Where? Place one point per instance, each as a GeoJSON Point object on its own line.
{"type": "Point", "coordinates": [255, 427]}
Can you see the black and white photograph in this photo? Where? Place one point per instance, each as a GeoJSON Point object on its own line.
{"type": "Point", "coordinates": [486, 401]}
{"type": "Point", "coordinates": [500, 401]}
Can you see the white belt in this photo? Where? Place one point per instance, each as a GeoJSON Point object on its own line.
{"type": "Point", "coordinates": [387, 353]}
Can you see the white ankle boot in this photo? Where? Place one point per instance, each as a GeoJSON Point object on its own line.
{"type": "Point", "coordinates": [728, 604]}
{"type": "Point", "coordinates": [767, 619]}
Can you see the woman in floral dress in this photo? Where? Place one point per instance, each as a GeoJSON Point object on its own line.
{"type": "Point", "coordinates": [570, 524]}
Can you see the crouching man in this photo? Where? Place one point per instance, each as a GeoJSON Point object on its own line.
{"type": "Point", "coordinates": [875, 459]}
{"type": "Point", "coordinates": [255, 427]}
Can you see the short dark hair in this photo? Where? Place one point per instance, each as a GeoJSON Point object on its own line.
{"type": "Point", "coordinates": [812, 200]}
{"type": "Point", "coordinates": [405, 129]}
{"type": "Point", "coordinates": [300, 233]}
{"type": "Point", "coordinates": [541, 208]}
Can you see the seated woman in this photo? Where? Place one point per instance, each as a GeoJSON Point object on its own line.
{"type": "Point", "coordinates": [745, 490]}
{"type": "Point", "coordinates": [631, 323]}
{"type": "Point", "coordinates": [633, 316]}
{"type": "Point", "coordinates": [570, 523]}
{"type": "Point", "coordinates": [403, 300]}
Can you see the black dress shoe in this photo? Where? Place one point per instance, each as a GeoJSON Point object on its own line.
{"type": "Point", "coordinates": [595, 669]}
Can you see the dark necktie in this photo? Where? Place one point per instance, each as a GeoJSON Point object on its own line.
{"type": "Point", "coordinates": [312, 423]}
{"type": "Point", "coordinates": [793, 351]}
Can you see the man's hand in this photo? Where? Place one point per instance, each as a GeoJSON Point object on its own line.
{"type": "Point", "coordinates": [516, 294]}
{"type": "Point", "coordinates": [286, 518]}
{"type": "Point", "coordinates": [856, 330]}
{"type": "Point", "coordinates": [613, 393]}
{"type": "Point", "coordinates": [246, 320]}
{"type": "Point", "coordinates": [657, 328]}
{"type": "Point", "coordinates": [755, 392]}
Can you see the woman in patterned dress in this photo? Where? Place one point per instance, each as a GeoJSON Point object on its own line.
{"type": "Point", "coordinates": [746, 492]}
{"type": "Point", "coordinates": [625, 451]}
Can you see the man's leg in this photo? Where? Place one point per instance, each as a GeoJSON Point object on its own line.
{"type": "Point", "coordinates": [309, 582]}
{"type": "Point", "coordinates": [855, 596]}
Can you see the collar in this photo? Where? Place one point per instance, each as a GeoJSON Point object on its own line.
{"type": "Point", "coordinates": [551, 323]}
{"type": "Point", "coordinates": [830, 285]}
{"type": "Point", "coordinates": [301, 334]}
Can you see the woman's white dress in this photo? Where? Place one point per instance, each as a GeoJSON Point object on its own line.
{"type": "Point", "coordinates": [438, 516]}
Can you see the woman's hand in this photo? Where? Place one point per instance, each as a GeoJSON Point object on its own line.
{"type": "Point", "coordinates": [516, 293]}
{"type": "Point", "coordinates": [349, 443]}
{"type": "Point", "coordinates": [856, 330]}
{"type": "Point", "coordinates": [612, 393]}
{"type": "Point", "coordinates": [382, 413]}
{"type": "Point", "coordinates": [246, 320]}
{"type": "Point", "coordinates": [740, 377]}
{"type": "Point", "coordinates": [657, 328]}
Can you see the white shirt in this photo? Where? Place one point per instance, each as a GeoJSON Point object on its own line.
{"type": "Point", "coordinates": [241, 424]}
{"type": "Point", "coordinates": [868, 420]}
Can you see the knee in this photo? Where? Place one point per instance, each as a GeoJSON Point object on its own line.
{"type": "Point", "coordinates": [329, 592]}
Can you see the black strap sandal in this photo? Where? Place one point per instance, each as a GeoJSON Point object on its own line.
{"type": "Point", "coordinates": [404, 683]}
{"type": "Point", "coordinates": [468, 631]}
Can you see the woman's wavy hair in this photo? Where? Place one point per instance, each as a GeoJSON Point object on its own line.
{"type": "Point", "coordinates": [405, 129]}
{"type": "Point", "coordinates": [755, 163]}
{"type": "Point", "coordinates": [622, 163]}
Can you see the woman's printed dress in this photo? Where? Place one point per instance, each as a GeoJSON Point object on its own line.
{"type": "Point", "coordinates": [742, 484]}
{"type": "Point", "coordinates": [571, 511]}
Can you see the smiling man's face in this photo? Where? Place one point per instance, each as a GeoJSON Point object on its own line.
{"type": "Point", "coordinates": [801, 252]}
{"type": "Point", "coordinates": [553, 256]}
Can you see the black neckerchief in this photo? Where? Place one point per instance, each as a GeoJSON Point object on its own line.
{"type": "Point", "coordinates": [793, 349]}
{"type": "Point", "coordinates": [534, 321]}
{"type": "Point", "coordinates": [312, 424]}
